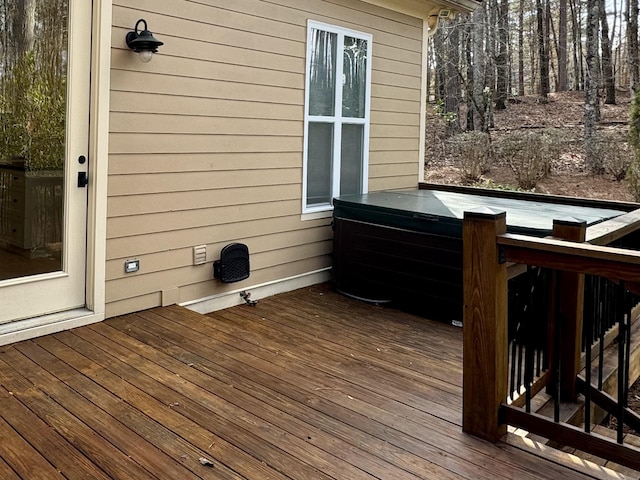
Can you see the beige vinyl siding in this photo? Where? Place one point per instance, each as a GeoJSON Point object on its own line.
{"type": "Point", "coordinates": [162, 163]}
{"type": "Point", "coordinates": [120, 247]}
{"type": "Point", "coordinates": [190, 200]}
{"type": "Point", "coordinates": [193, 124]}
{"type": "Point", "coordinates": [206, 140]}
{"type": "Point", "coordinates": [176, 220]}
{"type": "Point", "coordinates": [264, 249]}
{"type": "Point", "coordinates": [192, 106]}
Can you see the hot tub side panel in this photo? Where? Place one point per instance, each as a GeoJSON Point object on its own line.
{"type": "Point", "coordinates": [418, 271]}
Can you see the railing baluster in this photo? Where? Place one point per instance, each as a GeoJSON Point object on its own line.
{"type": "Point", "coordinates": [602, 292]}
{"type": "Point", "coordinates": [589, 322]}
{"type": "Point", "coordinates": [543, 302]}
{"type": "Point", "coordinates": [519, 369]}
{"type": "Point", "coordinates": [622, 375]}
{"type": "Point", "coordinates": [530, 341]}
{"type": "Point", "coordinates": [556, 347]}
{"type": "Point", "coordinates": [512, 374]}
{"type": "Point", "coordinates": [628, 309]}
{"type": "Point", "coordinates": [544, 279]}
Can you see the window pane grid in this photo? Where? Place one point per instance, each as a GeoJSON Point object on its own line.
{"type": "Point", "coordinates": [336, 165]}
{"type": "Point", "coordinates": [323, 74]}
{"type": "Point", "coordinates": [320, 163]}
{"type": "Point", "coordinates": [354, 77]}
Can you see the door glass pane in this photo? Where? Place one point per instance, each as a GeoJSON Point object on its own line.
{"type": "Point", "coordinates": [33, 84]}
{"type": "Point", "coordinates": [319, 164]}
{"type": "Point", "coordinates": [352, 159]}
{"type": "Point", "coordinates": [322, 73]}
{"type": "Point", "coordinates": [354, 77]}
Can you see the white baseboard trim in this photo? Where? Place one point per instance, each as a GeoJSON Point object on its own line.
{"type": "Point", "coordinates": [232, 298]}
{"type": "Point", "coordinates": [36, 327]}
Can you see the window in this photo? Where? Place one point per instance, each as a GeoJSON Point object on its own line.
{"type": "Point", "coordinates": [338, 89]}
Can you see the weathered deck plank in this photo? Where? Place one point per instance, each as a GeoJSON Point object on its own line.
{"type": "Point", "coordinates": [293, 398]}
{"type": "Point", "coordinates": [107, 457]}
{"type": "Point", "coordinates": [24, 459]}
{"type": "Point", "coordinates": [307, 385]}
{"type": "Point", "coordinates": [46, 441]}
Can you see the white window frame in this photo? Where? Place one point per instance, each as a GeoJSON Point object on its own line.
{"type": "Point", "coordinates": [337, 119]}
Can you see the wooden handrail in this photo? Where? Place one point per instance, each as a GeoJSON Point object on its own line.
{"type": "Point", "coordinates": [609, 231]}
{"type": "Point", "coordinates": [487, 249]}
{"type": "Point", "coordinates": [609, 262]}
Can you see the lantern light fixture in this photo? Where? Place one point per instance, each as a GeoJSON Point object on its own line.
{"type": "Point", "coordinates": [142, 41]}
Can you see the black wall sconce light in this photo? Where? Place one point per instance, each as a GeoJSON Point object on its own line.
{"type": "Point", "coordinates": [142, 41]}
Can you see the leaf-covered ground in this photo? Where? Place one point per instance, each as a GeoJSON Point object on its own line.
{"type": "Point", "coordinates": [564, 114]}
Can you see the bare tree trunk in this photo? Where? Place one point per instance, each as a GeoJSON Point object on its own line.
{"type": "Point", "coordinates": [632, 42]}
{"type": "Point", "coordinates": [502, 67]}
{"type": "Point", "coordinates": [578, 81]}
{"type": "Point", "coordinates": [542, 52]}
{"type": "Point", "coordinates": [479, 68]}
{"type": "Point", "coordinates": [591, 86]}
{"type": "Point", "coordinates": [490, 70]}
{"type": "Point", "coordinates": [453, 91]}
{"type": "Point", "coordinates": [430, 64]}
{"type": "Point", "coordinates": [533, 55]}
{"type": "Point", "coordinates": [612, 41]}
{"type": "Point", "coordinates": [562, 47]}
{"type": "Point", "coordinates": [605, 48]}
{"type": "Point", "coordinates": [6, 54]}
{"type": "Point", "coordinates": [469, 46]}
{"type": "Point", "coordinates": [521, 48]}
{"type": "Point", "coordinates": [24, 23]}
{"type": "Point", "coordinates": [439, 53]}
{"type": "Point", "coordinates": [552, 39]}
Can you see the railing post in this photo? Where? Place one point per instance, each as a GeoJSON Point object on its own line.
{"type": "Point", "coordinates": [485, 324]}
{"type": "Point", "coordinates": [571, 298]}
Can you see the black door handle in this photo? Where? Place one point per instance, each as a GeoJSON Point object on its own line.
{"type": "Point", "coordinates": [83, 179]}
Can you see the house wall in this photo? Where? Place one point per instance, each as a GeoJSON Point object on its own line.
{"type": "Point", "coordinates": [206, 140]}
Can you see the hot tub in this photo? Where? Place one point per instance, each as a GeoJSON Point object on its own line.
{"type": "Point", "coordinates": [406, 246]}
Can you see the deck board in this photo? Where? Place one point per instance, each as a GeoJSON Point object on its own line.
{"type": "Point", "coordinates": [45, 440]}
{"type": "Point", "coordinates": [306, 385]}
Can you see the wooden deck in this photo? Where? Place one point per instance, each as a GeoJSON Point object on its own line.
{"type": "Point", "coordinates": [306, 385]}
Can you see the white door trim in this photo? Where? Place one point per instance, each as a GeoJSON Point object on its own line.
{"type": "Point", "coordinates": [97, 192]}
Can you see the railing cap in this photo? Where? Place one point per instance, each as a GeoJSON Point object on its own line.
{"type": "Point", "coordinates": [573, 221]}
{"type": "Point", "coordinates": [485, 213]}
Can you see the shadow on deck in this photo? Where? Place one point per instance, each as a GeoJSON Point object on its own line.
{"type": "Point", "coordinates": [306, 385]}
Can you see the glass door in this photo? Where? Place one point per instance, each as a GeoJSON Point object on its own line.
{"type": "Point", "coordinates": [44, 109]}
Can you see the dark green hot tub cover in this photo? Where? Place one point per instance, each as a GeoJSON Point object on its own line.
{"type": "Point", "coordinates": [442, 212]}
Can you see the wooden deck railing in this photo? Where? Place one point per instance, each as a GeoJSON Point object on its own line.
{"type": "Point", "coordinates": [488, 251]}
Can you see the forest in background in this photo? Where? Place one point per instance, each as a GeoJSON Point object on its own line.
{"type": "Point", "coordinates": [511, 50]}
{"type": "Point", "coordinates": [522, 47]}
{"type": "Point", "coordinates": [33, 82]}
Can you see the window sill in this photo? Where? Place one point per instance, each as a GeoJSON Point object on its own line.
{"type": "Point", "coordinates": [316, 215]}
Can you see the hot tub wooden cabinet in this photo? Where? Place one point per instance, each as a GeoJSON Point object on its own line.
{"type": "Point", "coordinates": [405, 247]}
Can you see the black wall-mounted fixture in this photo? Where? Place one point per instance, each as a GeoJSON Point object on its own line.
{"type": "Point", "coordinates": [142, 41]}
{"type": "Point", "coordinates": [233, 265]}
